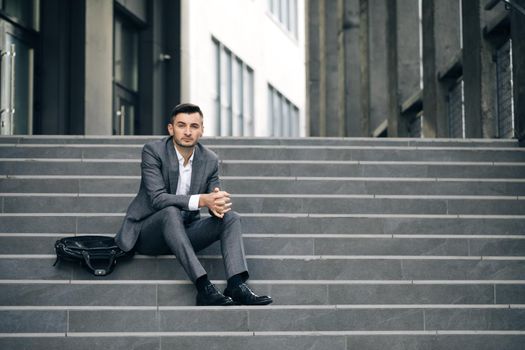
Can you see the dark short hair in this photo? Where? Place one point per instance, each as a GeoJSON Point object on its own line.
{"type": "Point", "coordinates": [184, 108]}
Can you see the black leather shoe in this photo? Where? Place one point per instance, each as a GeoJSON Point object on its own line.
{"type": "Point", "coordinates": [243, 295]}
{"type": "Point", "coordinates": [211, 296]}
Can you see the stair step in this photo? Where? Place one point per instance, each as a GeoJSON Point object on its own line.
{"type": "Point", "coordinates": [329, 141]}
{"type": "Point", "coordinates": [303, 152]}
{"type": "Point", "coordinates": [46, 166]}
{"type": "Point", "coordinates": [268, 319]}
{"type": "Point", "coordinates": [84, 293]}
{"type": "Point", "coordinates": [283, 268]}
{"type": "Point", "coordinates": [276, 185]}
{"type": "Point", "coordinates": [14, 203]}
{"type": "Point", "coordinates": [318, 245]}
{"type": "Point", "coordinates": [357, 340]}
{"type": "Point", "coordinates": [375, 169]}
{"type": "Point", "coordinates": [109, 223]}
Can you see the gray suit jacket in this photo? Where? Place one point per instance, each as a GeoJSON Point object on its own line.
{"type": "Point", "coordinates": [158, 185]}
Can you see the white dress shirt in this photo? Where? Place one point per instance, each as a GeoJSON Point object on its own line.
{"type": "Point", "coordinates": [183, 186]}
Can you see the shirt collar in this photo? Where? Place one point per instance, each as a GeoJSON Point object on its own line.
{"type": "Point", "coordinates": [181, 158]}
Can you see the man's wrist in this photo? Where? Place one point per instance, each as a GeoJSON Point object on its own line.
{"type": "Point", "coordinates": [202, 201]}
{"type": "Point", "coordinates": [194, 203]}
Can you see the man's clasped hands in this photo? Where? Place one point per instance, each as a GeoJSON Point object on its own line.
{"type": "Point", "coordinates": [218, 202]}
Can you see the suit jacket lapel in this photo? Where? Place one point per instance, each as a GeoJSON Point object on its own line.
{"type": "Point", "coordinates": [196, 171]}
{"type": "Point", "coordinates": [173, 172]}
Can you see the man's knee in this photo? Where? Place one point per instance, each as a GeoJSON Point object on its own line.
{"type": "Point", "coordinates": [170, 213]}
{"type": "Point", "coordinates": [231, 217]}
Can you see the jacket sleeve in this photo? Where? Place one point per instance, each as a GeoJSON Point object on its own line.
{"type": "Point", "coordinates": [151, 171]}
{"type": "Point", "coordinates": [213, 180]}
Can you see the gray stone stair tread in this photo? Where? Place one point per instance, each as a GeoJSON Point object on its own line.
{"type": "Point", "coordinates": [283, 268]}
{"type": "Point", "coordinates": [232, 168]}
{"type": "Point", "coordinates": [336, 153]}
{"type": "Point", "coordinates": [107, 223]}
{"type": "Point", "coordinates": [290, 185]}
{"type": "Point", "coordinates": [318, 245]}
{"type": "Point", "coordinates": [322, 293]}
{"type": "Point", "coordinates": [265, 319]}
{"type": "Point", "coordinates": [312, 205]}
{"type": "Point", "coordinates": [41, 139]}
{"type": "Point", "coordinates": [256, 341]}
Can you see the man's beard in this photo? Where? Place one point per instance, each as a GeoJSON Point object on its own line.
{"type": "Point", "coordinates": [184, 145]}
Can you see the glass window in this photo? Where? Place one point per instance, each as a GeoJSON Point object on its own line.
{"type": "Point", "coordinates": [293, 17]}
{"type": "Point", "coordinates": [276, 114]}
{"type": "Point", "coordinates": [285, 19]}
{"type": "Point", "coordinates": [505, 91]}
{"type": "Point", "coordinates": [237, 85]}
{"type": "Point", "coordinates": [226, 93]}
{"type": "Point", "coordinates": [248, 129]}
{"type": "Point", "coordinates": [25, 12]}
{"type": "Point", "coordinates": [283, 115]}
{"type": "Point", "coordinates": [270, 110]}
{"type": "Point", "coordinates": [217, 86]}
{"type": "Point", "coordinates": [271, 5]}
{"type": "Point", "coordinates": [460, 33]}
{"type": "Point", "coordinates": [456, 110]}
{"type": "Point", "coordinates": [285, 12]}
{"type": "Point", "coordinates": [233, 93]}
{"type": "Point", "coordinates": [415, 127]}
{"type": "Point", "coordinates": [295, 122]}
{"type": "Point", "coordinates": [126, 76]}
{"type": "Point", "coordinates": [286, 116]}
{"type": "Point", "coordinates": [126, 67]}
{"type": "Point", "coordinates": [17, 86]}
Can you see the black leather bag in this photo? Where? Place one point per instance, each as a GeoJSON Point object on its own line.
{"type": "Point", "coordinates": [98, 254]}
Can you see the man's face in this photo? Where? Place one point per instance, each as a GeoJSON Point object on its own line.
{"type": "Point", "coordinates": [186, 129]}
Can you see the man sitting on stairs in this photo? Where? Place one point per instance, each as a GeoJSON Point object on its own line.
{"type": "Point", "coordinates": [179, 176]}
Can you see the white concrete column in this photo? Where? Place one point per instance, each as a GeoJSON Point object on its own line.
{"type": "Point", "coordinates": [98, 94]}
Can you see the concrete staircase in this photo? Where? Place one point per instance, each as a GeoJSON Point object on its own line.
{"type": "Point", "coordinates": [363, 243]}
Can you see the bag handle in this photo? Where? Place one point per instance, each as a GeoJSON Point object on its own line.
{"type": "Point", "coordinates": [98, 271]}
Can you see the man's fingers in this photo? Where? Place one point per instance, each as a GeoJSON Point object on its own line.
{"type": "Point", "coordinates": [223, 206]}
{"type": "Point", "coordinates": [222, 211]}
{"type": "Point", "coordinates": [220, 197]}
{"type": "Point", "coordinates": [216, 190]}
{"type": "Point", "coordinates": [222, 202]}
{"type": "Point", "coordinates": [223, 194]}
{"type": "Point", "coordinates": [217, 214]}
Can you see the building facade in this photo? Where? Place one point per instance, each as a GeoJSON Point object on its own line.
{"type": "Point", "coordinates": [420, 68]}
{"type": "Point", "coordinates": [244, 60]}
{"type": "Point", "coordinates": [104, 67]}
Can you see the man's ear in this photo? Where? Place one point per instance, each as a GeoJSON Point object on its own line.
{"type": "Point", "coordinates": [170, 129]}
